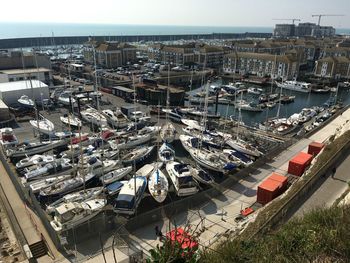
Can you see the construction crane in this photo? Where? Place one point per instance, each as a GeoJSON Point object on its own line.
{"type": "Point", "coordinates": [289, 19]}
{"type": "Point", "coordinates": [319, 17]}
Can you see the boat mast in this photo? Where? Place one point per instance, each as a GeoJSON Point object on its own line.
{"type": "Point", "coordinates": [133, 84]}
{"type": "Point", "coordinates": [95, 86]}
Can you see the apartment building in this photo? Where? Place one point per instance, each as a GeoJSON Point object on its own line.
{"type": "Point", "coordinates": [262, 64]}
{"type": "Point", "coordinates": [210, 56]}
{"type": "Point", "coordinates": [333, 67]}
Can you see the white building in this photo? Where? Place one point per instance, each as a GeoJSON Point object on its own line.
{"type": "Point", "coordinates": [10, 92]}
{"type": "Point", "coordinates": [41, 74]}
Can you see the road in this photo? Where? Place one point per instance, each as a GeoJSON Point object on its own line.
{"type": "Point", "coordinates": [329, 189]}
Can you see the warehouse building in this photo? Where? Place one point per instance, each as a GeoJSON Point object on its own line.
{"type": "Point", "coordinates": [10, 92]}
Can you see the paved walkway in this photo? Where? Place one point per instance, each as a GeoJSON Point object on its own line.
{"type": "Point", "coordinates": [219, 213]}
{"type": "Point", "coordinates": [30, 224]}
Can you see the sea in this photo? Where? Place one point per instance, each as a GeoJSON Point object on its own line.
{"type": "Point", "coordinates": [19, 30]}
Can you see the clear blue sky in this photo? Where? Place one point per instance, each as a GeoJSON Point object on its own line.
{"type": "Point", "coordinates": [175, 12]}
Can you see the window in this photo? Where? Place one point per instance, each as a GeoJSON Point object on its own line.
{"type": "Point", "coordinates": [11, 79]}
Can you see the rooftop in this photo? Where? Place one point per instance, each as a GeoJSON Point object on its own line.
{"type": "Point", "coordinates": [21, 85]}
{"type": "Point", "coordinates": [24, 71]}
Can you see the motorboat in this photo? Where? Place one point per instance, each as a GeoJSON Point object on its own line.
{"type": "Point", "coordinates": [36, 171]}
{"type": "Point", "coordinates": [168, 133]}
{"type": "Point", "coordinates": [158, 185]}
{"type": "Point", "coordinates": [115, 175]}
{"type": "Point", "coordinates": [202, 176]}
{"type": "Point", "coordinates": [193, 124]}
{"type": "Point", "coordinates": [114, 188]}
{"type": "Point", "coordinates": [36, 159]}
{"type": "Point", "coordinates": [245, 106]}
{"type": "Point", "coordinates": [79, 196]}
{"type": "Point", "coordinates": [205, 137]}
{"type": "Point", "coordinates": [295, 86]}
{"type": "Point", "coordinates": [116, 118]}
{"type": "Point", "coordinates": [66, 99]}
{"type": "Point", "coordinates": [71, 120]}
{"type": "Point", "coordinates": [92, 116]}
{"type": "Point", "coordinates": [201, 114]}
{"type": "Point", "coordinates": [137, 155]}
{"type": "Point", "coordinates": [43, 125]}
{"type": "Point", "coordinates": [181, 177]}
{"type": "Point", "coordinates": [174, 114]}
{"type": "Point", "coordinates": [139, 116]}
{"type": "Point", "coordinates": [130, 195]}
{"type": "Point", "coordinates": [26, 102]}
{"type": "Point", "coordinates": [166, 153]}
{"type": "Point", "coordinates": [98, 168]}
{"type": "Point", "coordinates": [72, 214]}
{"type": "Point", "coordinates": [243, 147]}
{"type": "Point", "coordinates": [66, 186]}
{"type": "Point", "coordinates": [37, 185]}
{"type": "Point", "coordinates": [255, 91]}
{"type": "Point", "coordinates": [8, 137]}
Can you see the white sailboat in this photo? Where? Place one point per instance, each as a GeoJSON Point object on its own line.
{"type": "Point", "coordinates": [36, 159]}
{"type": "Point", "coordinates": [71, 120]}
{"type": "Point", "coordinates": [91, 115]}
{"type": "Point", "coordinates": [43, 125]}
{"type": "Point", "coordinates": [80, 196]}
{"type": "Point", "coordinates": [181, 177]}
{"type": "Point", "coordinates": [37, 185]}
{"type": "Point", "coordinates": [158, 185]}
{"type": "Point", "coordinates": [168, 131]}
{"type": "Point", "coordinates": [115, 175]}
{"type": "Point", "coordinates": [69, 215]}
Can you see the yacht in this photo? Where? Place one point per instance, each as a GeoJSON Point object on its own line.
{"type": "Point", "coordinates": [130, 195]}
{"type": "Point", "coordinates": [26, 102]}
{"type": "Point", "coordinates": [72, 214]}
{"type": "Point", "coordinates": [37, 185]}
{"type": "Point", "coordinates": [36, 171]}
{"type": "Point", "coordinates": [43, 125]}
{"type": "Point", "coordinates": [127, 141]}
{"type": "Point", "coordinates": [295, 85]}
{"type": "Point", "coordinates": [36, 159]}
{"type": "Point", "coordinates": [158, 185]}
{"type": "Point", "coordinates": [91, 115]}
{"type": "Point", "coordinates": [181, 177]}
{"type": "Point", "coordinates": [139, 116]}
{"type": "Point", "coordinates": [202, 176]}
{"type": "Point", "coordinates": [255, 91]}
{"type": "Point", "coordinates": [116, 118]}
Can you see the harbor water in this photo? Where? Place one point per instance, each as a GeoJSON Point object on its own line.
{"type": "Point", "coordinates": [302, 100]}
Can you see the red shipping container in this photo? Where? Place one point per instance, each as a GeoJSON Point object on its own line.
{"type": "Point", "coordinates": [280, 178]}
{"type": "Point", "coordinates": [299, 163]}
{"type": "Point", "coordinates": [315, 148]}
{"type": "Point", "coordinates": [268, 190]}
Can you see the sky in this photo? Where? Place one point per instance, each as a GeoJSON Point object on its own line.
{"type": "Point", "coordinates": [176, 12]}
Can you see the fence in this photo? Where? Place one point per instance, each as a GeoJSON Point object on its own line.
{"type": "Point", "coordinates": [285, 210]}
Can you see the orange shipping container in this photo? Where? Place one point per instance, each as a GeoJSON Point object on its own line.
{"type": "Point", "coordinates": [299, 163]}
{"type": "Point", "coordinates": [268, 190]}
{"type": "Point", "coordinates": [280, 178]}
{"type": "Point", "coordinates": [315, 148]}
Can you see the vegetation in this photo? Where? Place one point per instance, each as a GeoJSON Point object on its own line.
{"type": "Point", "coordinates": [320, 236]}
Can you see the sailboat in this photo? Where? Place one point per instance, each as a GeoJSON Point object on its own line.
{"type": "Point", "coordinates": [158, 185]}
{"type": "Point", "coordinates": [116, 118]}
{"type": "Point", "coordinates": [91, 115]}
{"type": "Point", "coordinates": [71, 120]}
{"type": "Point", "coordinates": [168, 131]}
{"type": "Point", "coordinates": [43, 125]}
{"type": "Point", "coordinates": [115, 175]}
{"type": "Point", "coordinates": [26, 102]}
